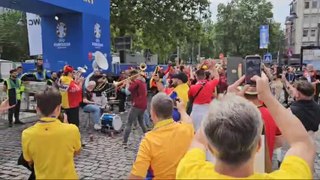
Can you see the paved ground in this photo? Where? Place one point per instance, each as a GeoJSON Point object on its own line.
{"type": "Point", "coordinates": [102, 158]}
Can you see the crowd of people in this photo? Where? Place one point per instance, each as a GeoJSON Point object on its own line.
{"type": "Point", "coordinates": [203, 127]}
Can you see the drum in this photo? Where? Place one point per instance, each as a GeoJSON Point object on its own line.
{"type": "Point", "coordinates": [111, 121]}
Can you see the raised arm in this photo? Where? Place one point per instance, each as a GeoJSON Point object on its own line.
{"type": "Point", "coordinates": [182, 110]}
{"type": "Point", "coordinates": [160, 86]}
{"type": "Point", "coordinates": [290, 126]}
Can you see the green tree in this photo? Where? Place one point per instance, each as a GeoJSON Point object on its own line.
{"type": "Point", "coordinates": [237, 27]}
{"type": "Point", "coordinates": [158, 25]}
{"type": "Point", "coordinates": [13, 37]}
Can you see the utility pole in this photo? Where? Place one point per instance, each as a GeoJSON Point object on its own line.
{"type": "Point", "coordinates": [199, 52]}
{"type": "Point", "coordinates": [318, 36]}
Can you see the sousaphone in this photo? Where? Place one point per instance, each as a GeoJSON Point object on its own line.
{"type": "Point", "coordinates": [100, 63]}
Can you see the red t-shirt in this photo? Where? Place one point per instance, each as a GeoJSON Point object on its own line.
{"type": "Point", "coordinates": [138, 90]}
{"type": "Point", "coordinates": [206, 94]}
{"type": "Point", "coordinates": [270, 128]}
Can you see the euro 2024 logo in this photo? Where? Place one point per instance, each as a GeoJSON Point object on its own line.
{"type": "Point", "coordinates": [61, 30]}
{"type": "Point", "coordinates": [97, 32]}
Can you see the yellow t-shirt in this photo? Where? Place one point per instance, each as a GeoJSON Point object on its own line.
{"type": "Point", "coordinates": [162, 148]}
{"type": "Point", "coordinates": [51, 147]}
{"type": "Point", "coordinates": [182, 92]}
{"type": "Point", "coordinates": [194, 166]}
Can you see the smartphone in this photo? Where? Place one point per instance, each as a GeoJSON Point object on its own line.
{"type": "Point", "coordinates": [235, 69]}
{"type": "Point", "coordinates": [252, 68]}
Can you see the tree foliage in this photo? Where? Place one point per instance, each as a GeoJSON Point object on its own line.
{"type": "Point", "coordinates": [13, 38]}
{"type": "Point", "coordinates": [237, 27]}
{"type": "Point", "coordinates": [159, 25]}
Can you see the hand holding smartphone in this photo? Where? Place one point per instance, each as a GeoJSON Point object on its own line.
{"type": "Point", "coordinates": [252, 68]}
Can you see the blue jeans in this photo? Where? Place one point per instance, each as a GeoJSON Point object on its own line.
{"type": "Point", "coordinates": [147, 119]}
{"type": "Point", "coordinates": [95, 111]}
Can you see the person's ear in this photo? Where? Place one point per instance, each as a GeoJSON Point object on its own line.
{"type": "Point", "coordinates": [38, 111]}
{"type": "Point", "coordinates": [57, 111]}
{"type": "Point", "coordinates": [259, 144]}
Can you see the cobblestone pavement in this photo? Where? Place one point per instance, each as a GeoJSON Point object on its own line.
{"type": "Point", "coordinates": [102, 158]}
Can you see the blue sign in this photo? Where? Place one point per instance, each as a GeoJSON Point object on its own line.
{"type": "Point", "coordinates": [267, 58]}
{"type": "Point", "coordinates": [264, 36]}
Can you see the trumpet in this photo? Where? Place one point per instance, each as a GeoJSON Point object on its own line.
{"type": "Point", "coordinates": [80, 71]}
{"type": "Point", "coordinates": [116, 84]}
{"type": "Point", "coordinates": [143, 66]}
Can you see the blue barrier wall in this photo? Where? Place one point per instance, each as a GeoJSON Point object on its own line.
{"type": "Point", "coordinates": [83, 27]}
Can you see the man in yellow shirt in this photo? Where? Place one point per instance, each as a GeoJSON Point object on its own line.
{"type": "Point", "coordinates": [180, 84]}
{"type": "Point", "coordinates": [50, 145]}
{"type": "Point", "coordinates": [232, 130]}
{"type": "Point", "coordinates": [162, 148]}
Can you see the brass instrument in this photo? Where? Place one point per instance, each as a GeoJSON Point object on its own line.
{"type": "Point", "coordinates": [151, 84]}
{"type": "Point", "coordinates": [80, 71]}
{"type": "Point", "coordinates": [205, 65]}
{"type": "Point", "coordinates": [143, 66]}
{"type": "Point", "coordinates": [116, 84]}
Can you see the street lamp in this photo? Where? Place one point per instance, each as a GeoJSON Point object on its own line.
{"type": "Point", "coordinates": [21, 21]}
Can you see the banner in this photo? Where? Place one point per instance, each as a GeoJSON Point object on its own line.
{"type": "Point", "coordinates": [264, 36]}
{"type": "Point", "coordinates": [34, 34]}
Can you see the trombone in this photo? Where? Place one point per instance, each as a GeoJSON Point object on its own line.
{"type": "Point", "coordinates": [142, 67]}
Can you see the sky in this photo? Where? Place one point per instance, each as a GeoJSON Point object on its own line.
{"type": "Point", "coordinates": [280, 10]}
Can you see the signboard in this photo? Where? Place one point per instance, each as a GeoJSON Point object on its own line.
{"type": "Point", "coordinates": [264, 36]}
{"type": "Point", "coordinates": [267, 58]}
{"type": "Point", "coordinates": [311, 55]}
{"type": "Point", "coordinates": [34, 34]}
{"type": "Point", "coordinates": [123, 43]}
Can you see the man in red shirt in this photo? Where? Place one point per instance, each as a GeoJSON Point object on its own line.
{"type": "Point", "coordinates": [138, 90]}
{"type": "Point", "coordinates": [271, 130]}
{"type": "Point", "coordinates": [203, 99]}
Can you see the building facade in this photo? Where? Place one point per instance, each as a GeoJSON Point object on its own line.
{"type": "Point", "coordinates": [303, 29]}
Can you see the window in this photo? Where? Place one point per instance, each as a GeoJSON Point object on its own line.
{"type": "Point", "coordinates": [305, 32]}
{"type": "Point", "coordinates": [313, 33]}
{"type": "Point", "coordinates": [307, 5]}
{"type": "Point", "coordinates": [306, 19]}
{"type": "Point", "coordinates": [314, 19]}
{"type": "Point", "coordinates": [314, 4]}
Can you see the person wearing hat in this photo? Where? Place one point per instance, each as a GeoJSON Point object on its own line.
{"type": "Point", "coordinates": [71, 92]}
{"type": "Point", "coordinates": [271, 131]}
{"type": "Point", "coordinates": [180, 86]}
{"type": "Point", "coordinates": [41, 73]}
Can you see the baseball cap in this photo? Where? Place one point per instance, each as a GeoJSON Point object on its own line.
{"type": "Point", "coordinates": [68, 69]}
{"type": "Point", "coordinates": [250, 91]}
{"type": "Point", "coordinates": [181, 76]}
